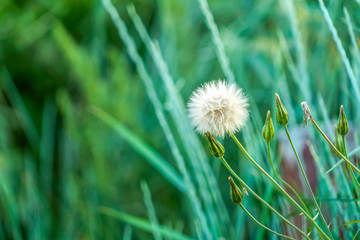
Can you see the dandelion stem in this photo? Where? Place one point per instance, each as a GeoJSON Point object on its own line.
{"type": "Point", "coordinates": [283, 181]}
{"type": "Point", "coordinates": [332, 145]}
{"type": "Point", "coordinates": [260, 199]}
{"type": "Point", "coordinates": [261, 225]}
{"type": "Point", "coordinates": [294, 203]}
{"type": "Point", "coordinates": [353, 177]}
{"type": "Point", "coordinates": [307, 181]}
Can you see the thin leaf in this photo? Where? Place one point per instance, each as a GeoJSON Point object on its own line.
{"type": "Point", "coordinates": [142, 148]}
{"type": "Point", "coordinates": [142, 224]}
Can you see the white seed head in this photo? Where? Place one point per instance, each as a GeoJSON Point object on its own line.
{"type": "Point", "coordinates": [306, 112]}
{"type": "Point", "coordinates": [218, 107]}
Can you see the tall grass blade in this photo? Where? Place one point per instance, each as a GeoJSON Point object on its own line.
{"type": "Point", "coordinates": [142, 224]}
{"type": "Point", "coordinates": [219, 45]}
{"type": "Point", "coordinates": [151, 211]}
{"type": "Point", "coordinates": [142, 148]}
{"type": "Point", "coordinates": [21, 109]}
{"type": "Point", "coordinates": [344, 58]}
{"type": "Point", "coordinates": [131, 48]}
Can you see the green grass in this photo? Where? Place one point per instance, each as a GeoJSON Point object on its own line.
{"type": "Point", "coordinates": [95, 142]}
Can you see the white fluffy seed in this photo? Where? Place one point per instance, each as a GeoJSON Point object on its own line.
{"type": "Point", "coordinates": [218, 107]}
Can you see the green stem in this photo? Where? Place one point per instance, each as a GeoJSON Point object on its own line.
{"type": "Point", "coordinates": [283, 181]}
{"type": "Point", "coordinates": [260, 199]}
{"type": "Point", "coordinates": [332, 145]}
{"type": "Point", "coordinates": [261, 225]}
{"type": "Point", "coordinates": [293, 202]}
{"type": "Point", "coordinates": [353, 177]}
{"type": "Point", "coordinates": [354, 151]}
{"type": "Point", "coordinates": [307, 181]}
{"type": "Point", "coordinates": [356, 234]}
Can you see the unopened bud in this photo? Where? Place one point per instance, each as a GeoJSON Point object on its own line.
{"type": "Point", "coordinates": [217, 150]}
{"type": "Point", "coordinates": [339, 144]}
{"type": "Point", "coordinates": [282, 116]}
{"type": "Point", "coordinates": [342, 126]}
{"type": "Point", "coordinates": [268, 129]}
{"type": "Point", "coordinates": [235, 193]}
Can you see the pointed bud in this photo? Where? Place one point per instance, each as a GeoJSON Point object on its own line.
{"type": "Point", "coordinates": [268, 129]}
{"type": "Point", "coordinates": [282, 116]}
{"type": "Point", "coordinates": [235, 194]}
{"type": "Point", "coordinates": [342, 126]}
{"type": "Point", "coordinates": [339, 142]}
{"type": "Point", "coordinates": [217, 150]}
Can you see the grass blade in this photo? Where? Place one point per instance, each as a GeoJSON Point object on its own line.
{"type": "Point", "coordinates": [151, 211]}
{"type": "Point", "coordinates": [142, 148]}
{"type": "Point", "coordinates": [341, 50]}
{"type": "Point", "coordinates": [142, 224]}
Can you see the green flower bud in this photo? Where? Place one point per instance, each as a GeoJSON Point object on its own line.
{"type": "Point", "coordinates": [282, 116]}
{"type": "Point", "coordinates": [342, 126]}
{"type": "Point", "coordinates": [217, 150]}
{"type": "Point", "coordinates": [268, 129]}
{"type": "Point", "coordinates": [235, 193]}
{"type": "Point", "coordinates": [339, 144]}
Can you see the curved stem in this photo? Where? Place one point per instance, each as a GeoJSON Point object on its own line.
{"type": "Point", "coordinates": [263, 226]}
{"type": "Point", "coordinates": [283, 181]}
{"type": "Point", "coordinates": [332, 145]}
{"type": "Point", "coordinates": [293, 202]}
{"type": "Point", "coordinates": [260, 199]}
{"type": "Point", "coordinates": [307, 181]}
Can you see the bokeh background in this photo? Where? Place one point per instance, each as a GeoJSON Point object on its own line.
{"type": "Point", "coordinates": [94, 138]}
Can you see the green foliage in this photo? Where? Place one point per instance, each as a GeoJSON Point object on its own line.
{"type": "Point", "coordinates": [93, 103]}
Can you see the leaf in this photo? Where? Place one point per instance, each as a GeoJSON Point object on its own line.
{"type": "Point", "coordinates": [142, 148]}
{"type": "Point", "coordinates": [142, 224]}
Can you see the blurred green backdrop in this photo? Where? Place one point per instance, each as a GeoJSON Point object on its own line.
{"type": "Point", "coordinates": [93, 126]}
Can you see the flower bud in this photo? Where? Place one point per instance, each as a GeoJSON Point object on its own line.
{"type": "Point", "coordinates": [235, 194]}
{"type": "Point", "coordinates": [342, 126]}
{"type": "Point", "coordinates": [282, 116]}
{"type": "Point", "coordinates": [339, 142]}
{"type": "Point", "coordinates": [216, 149]}
{"type": "Point", "coordinates": [268, 129]}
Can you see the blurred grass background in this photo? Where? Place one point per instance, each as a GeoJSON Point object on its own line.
{"type": "Point", "coordinates": [94, 137]}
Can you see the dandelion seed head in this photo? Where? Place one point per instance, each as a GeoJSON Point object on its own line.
{"type": "Point", "coordinates": [218, 107]}
{"type": "Point", "coordinates": [306, 112]}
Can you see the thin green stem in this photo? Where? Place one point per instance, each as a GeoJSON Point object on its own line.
{"type": "Point", "coordinates": [353, 177]}
{"type": "Point", "coordinates": [261, 225]}
{"type": "Point", "coordinates": [293, 202]}
{"type": "Point", "coordinates": [354, 151]}
{"type": "Point", "coordinates": [307, 182]}
{"type": "Point", "coordinates": [260, 199]}
{"type": "Point", "coordinates": [333, 146]}
{"type": "Point", "coordinates": [356, 234]}
{"type": "Point", "coordinates": [282, 180]}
